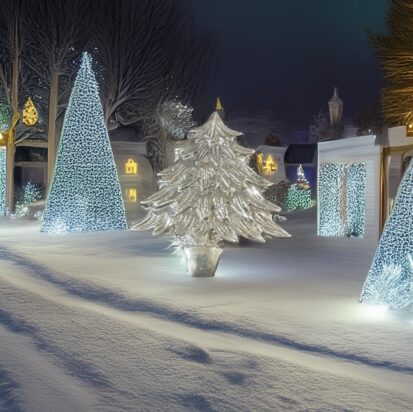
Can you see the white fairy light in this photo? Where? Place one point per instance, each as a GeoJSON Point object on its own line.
{"type": "Point", "coordinates": [85, 194]}
{"type": "Point", "coordinates": [385, 284]}
{"type": "Point", "coordinates": [31, 193]}
{"type": "Point", "coordinates": [3, 171]}
{"type": "Point", "coordinates": [175, 118]}
{"type": "Point", "coordinates": [329, 200]}
{"type": "Point", "coordinates": [390, 288]}
{"type": "Point", "coordinates": [341, 199]}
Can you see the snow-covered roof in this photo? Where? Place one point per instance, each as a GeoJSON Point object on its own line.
{"type": "Point", "coordinates": [351, 144]}
{"type": "Point", "coordinates": [271, 149]}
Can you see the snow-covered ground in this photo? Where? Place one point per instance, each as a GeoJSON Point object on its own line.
{"type": "Point", "coordinates": [111, 322]}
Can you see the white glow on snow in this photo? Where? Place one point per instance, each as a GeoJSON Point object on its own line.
{"type": "Point", "coordinates": [374, 312]}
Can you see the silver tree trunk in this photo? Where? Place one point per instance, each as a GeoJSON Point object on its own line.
{"type": "Point", "coordinates": [202, 261]}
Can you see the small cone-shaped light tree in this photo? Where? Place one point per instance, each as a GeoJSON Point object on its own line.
{"type": "Point", "coordinates": [299, 194]}
{"type": "Point", "coordinates": [85, 194]}
{"type": "Point", "coordinates": [210, 195]}
{"type": "Point", "coordinates": [389, 281]}
{"type": "Point", "coordinates": [301, 179]}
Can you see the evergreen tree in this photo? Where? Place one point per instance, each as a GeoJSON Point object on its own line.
{"type": "Point", "coordinates": [389, 281]}
{"type": "Point", "coordinates": [301, 179]}
{"type": "Point", "coordinates": [210, 194]}
{"type": "Point", "coordinates": [85, 194]}
{"type": "Point", "coordinates": [395, 51]}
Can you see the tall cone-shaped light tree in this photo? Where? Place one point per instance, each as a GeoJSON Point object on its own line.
{"type": "Point", "coordinates": [389, 281]}
{"type": "Point", "coordinates": [85, 194]}
{"type": "Point", "coordinates": [210, 195]}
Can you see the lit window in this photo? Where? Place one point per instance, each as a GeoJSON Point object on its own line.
{"type": "Point", "coordinates": [131, 167]}
{"type": "Point", "coordinates": [131, 195]}
{"type": "Point", "coordinates": [269, 166]}
{"type": "Point", "coordinates": [259, 162]}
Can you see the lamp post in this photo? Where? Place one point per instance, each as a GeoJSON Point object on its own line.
{"type": "Point", "coordinates": [335, 105]}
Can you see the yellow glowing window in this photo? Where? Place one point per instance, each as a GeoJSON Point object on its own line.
{"type": "Point", "coordinates": [269, 166]}
{"type": "Point", "coordinates": [259, 161]}
{"type": "Point", "coordinates": [131, 167]}
{"type": "Point", "coordinates": [131, 195]}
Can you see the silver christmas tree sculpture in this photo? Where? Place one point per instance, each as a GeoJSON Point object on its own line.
{"type": "Point", "coordinates": [210, 195]}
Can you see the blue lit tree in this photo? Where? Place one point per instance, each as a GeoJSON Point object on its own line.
{"type": "Point", "coordinates": [389, 281]}
{"type": "Point", "coordinates": [85, 194]}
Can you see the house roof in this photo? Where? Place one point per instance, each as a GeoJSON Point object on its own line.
{"type": "Point", "coordinates": [125, 134]}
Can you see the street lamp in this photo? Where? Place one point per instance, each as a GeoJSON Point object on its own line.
{"type": "Point", "coordinates": [335, 105]}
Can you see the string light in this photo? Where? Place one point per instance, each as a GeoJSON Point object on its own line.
{"type": "Point", "coordinates": [297, 198]}
{"type": "Point", "coordinates": [85, 194]}
{"type": "Point", "coordinates": [31, 193]}
{"type": "Point", "coordinates": [389, 281]}
{"type": "Point", "coordinates": [175, 118]}
{"type": "Point", "coordinates": [355, 205]}
{"type": "Point", "coordinates": [341, 199]}
{"type": "Point", "coordinates": [329, 199]}
{"type": "Point", "coordinates": [390, 288]}
{"type": "Point", "coordinates": [3, 171]}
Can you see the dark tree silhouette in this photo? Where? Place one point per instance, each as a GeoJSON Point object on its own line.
{"type": "Point", "coordinates": [58, 32]}
{"type": "Point", "coordinates": [12, 19]}
{"type": "Point", "coordinates": [149, 53]}
{"type": "Point", "coordinates": [395, 52]}
{"type": "Point", "coordinates": [369, 120]}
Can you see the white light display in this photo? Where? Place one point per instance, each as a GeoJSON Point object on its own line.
{"type": "Point", "coordinates": [341, 199]}
{"type": "Point", "coordinates": [355, 199]}
{"type": "Point", "coordinates": [393, 287]}
{"type": "Point", "coordinates": [210, 194]}
{"type": "Point", "coordinates": [175, 118]}
{"type": "Point", "coordinates": [329, 200]}
{"type": "Point", "coordinates": [3, 171]}
{"type": "Point", "coordinates": [299, 194]}
{"type": "Point", "coordinates": [301, 179]}
{"type": "Point", "coordinates": [297, 198]}
{"type": "Point", "coordinates": [85, 194]}
{"type": "Point", "coordinates": [31, 193]}
{"type": "Point", "coordinates": [5, 116]}
{"type": "Point", "coordinates": [390, 288]}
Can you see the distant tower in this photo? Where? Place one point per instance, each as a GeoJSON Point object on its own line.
{"type": "Point", "coordinates": [335, 105]}
{"type": "Point", "coordinates": [219, 109]}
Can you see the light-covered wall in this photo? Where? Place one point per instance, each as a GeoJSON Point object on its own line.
{"type": "Point", "coordinates": [362, 149]}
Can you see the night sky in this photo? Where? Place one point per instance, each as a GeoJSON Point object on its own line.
{"type": "Point", "coordinates": [288, 55]}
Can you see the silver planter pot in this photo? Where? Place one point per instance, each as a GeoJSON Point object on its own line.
{"type": "Point", "coordinates": [202, 261]}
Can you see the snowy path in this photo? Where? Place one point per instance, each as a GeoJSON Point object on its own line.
{"type": "Point", "coordinates": [72, 338]}
{"type": "Point", "coordinates": [42, 381]}
{"type": "Point", "coordinates": [382, 375]}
